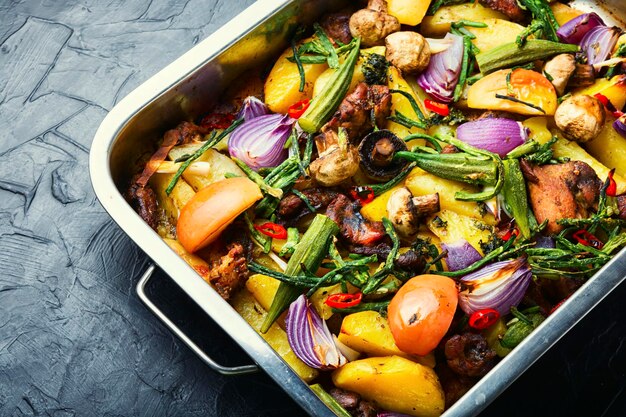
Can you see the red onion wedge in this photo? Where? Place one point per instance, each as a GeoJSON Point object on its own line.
{"type": "Point", "coordinates": [310, 338]}
{"type": "Point", "coordinates": [574, 30]}
{"type": "Point", "coordinates": [500, 286]}
{"type": "Point", "coordinates": [252, 108]}
{"type": "Point", "coordinates": [599, 42]}
{"type": "Point", "coordinates": [460, 255]}
{"type": "Point", "coordinates": [496, 135]}
{"type": "Point", "coordinates": [260, 142]}
{"type": "Point", "coordinates": [444, 69]}
{"type": "Point", "coordinates": [620, 125]}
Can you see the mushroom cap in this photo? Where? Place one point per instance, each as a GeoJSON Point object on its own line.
{"type": "Point", "coordinates": [401, 212]}
{"type": "Point", "coordinates": [407, 51]}
{"type": "Point", "coordinates": [377, 150]}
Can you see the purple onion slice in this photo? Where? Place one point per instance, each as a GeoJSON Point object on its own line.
{"type": "Point", "coordinates": [500, 286]}
{"type": "Point", "coordinates": [599, 42]}
{"type": "Point", "coordinates": [252, 108]}
{"type": "Point", "coordinates": [309, 337]}
{"type": "Point", "coordinates": [496, 135]}
{"type": "Point", "coordinates": [259, 142]}
{"type": "Point", "coordinates": [444, 69]}
{"type": "Point", "coordinates": [574, 30]}
{"type": "Point", "coordinates": [460, 255]}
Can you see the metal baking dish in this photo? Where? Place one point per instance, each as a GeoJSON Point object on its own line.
{"type": "Point", "coordinates": [191, 85]}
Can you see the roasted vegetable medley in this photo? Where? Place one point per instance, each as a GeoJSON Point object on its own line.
{"type": "Point", "coordinates": [411, 190]}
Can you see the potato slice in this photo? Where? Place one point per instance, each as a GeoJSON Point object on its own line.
{"type": "Point", "coordinates": [609, 148]}
{"type": "Point", "coordinates": [377, 208]}
{"type": "Point", "coordinates": [613, 89]}
{"type": "Point", "coordinates": [263, 288]}
{"type": "Point", "coordinates": [497, 32]}
{"type": "Point", "coordinates": [420, 182]}
{"type": "Point", "coordinates": [395, 384]}
{"type": "Point", "coordinates": [252, 312]}
{"type": "Point", "coordinates": [564, 13]}
{"type": "Point", "coordinates": [439, 24]}
{"type": "Point", "coordinates": [401, 104]}
{"type": "Point", "coordinates": [408, 12]}
{"type": "Point", "coordinates": [451, 227]}
{"type": "Point", "coordinates": [220, 166]}
{"type": "Point", "coordinates": [180, 195]}
{"type": "Point", "coordinates": [283, 83]}
{"type": "Point", "coordinates": [368, 332]}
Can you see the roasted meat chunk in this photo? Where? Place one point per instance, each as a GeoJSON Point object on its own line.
{"type": "Point", "coordinates": [143, 200]}
{"type": "Point", "coordinates": [561, 191]}
{"type": "Point", "coordinates": [292, 208]}
{"type": "Point", "coordinates": [337, 26]}
{"type": "Point", "coordinates": [510, 8]}
{"type": "Point", "coordinates": [469, 355]}
{"type": "Point", "coordinates": [353, 227]}
{"type": "Point", "coordinates": [353, 403]}
{"type": "Point", "coordinates": [354, 113]}
{"type": "Point", "coordinates": [410, 260]}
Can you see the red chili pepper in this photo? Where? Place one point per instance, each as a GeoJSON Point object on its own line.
{"type": "Point", "coordinates": [217, 120]}
{"type": "Point", "coordinates": [362, 193]}
{"type": "Point", "coordinates": [273, 230]}
{"type": "Point", "coordinates": [298, 109]}
{"type": "Point", "coordinates": [510, 233]}
{"type": "Point", "coordinates": [611, 190]}
{"type": "Point", "coordinates": [585, 238]}
{"type": "Point", "coordinates": [344, 300]}
{"type": "Point", "coordinates": [558, 305]}
{"type": "Point", "coordinates": [484, 318]}
{"type": "Point", "coordinates": [441, 109]}
{"type": "Point", "coordinates": [608, 105]}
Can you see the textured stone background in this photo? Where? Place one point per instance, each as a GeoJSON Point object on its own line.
{"type": "Point", "coordinates": [74, 340]}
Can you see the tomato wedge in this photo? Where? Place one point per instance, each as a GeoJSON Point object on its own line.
{"type": "Point", "coordinates": [421, 312]}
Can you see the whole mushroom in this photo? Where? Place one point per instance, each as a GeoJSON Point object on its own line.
{"type": "Point", "coordinates": [407, 51]}
{"type": "Point", "coordinates": [338, 160]}
{"type": "Point", "coordinates": [373, 24]}
{"type": "Point", "coordinates": [405, 211]}
{"type": "Point", "coordinates": [580, 118]}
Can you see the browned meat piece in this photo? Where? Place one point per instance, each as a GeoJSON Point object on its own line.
{"type": "Point", "coordinates": [337, 26]}
{"type": "Point", "coordinates": [353, 403]}
{"type": "Point", "coordinates": [449, 149]}
{"type": "Point", "coordinates": [621, 204]}
{"type": "Point", "coordinates": [143, 200]}
{"type": "Point", "coordinates": [454, 385]}
{"type": "Point", "coordinates": [230, 271]}
{"type": "Point", "coordinates": [469, 355]}
{"type": "Point", "coordinates": [409, 260]}
{"type": "Point", "coordinates": [561, 191]}
{"type": "Point", "coordinates": [292, 208]}
{"type": "Point", "coordinates": [353, 227]}
{"type": "Point", "coordinates": [188, 132]}
{"type": "Point", "coordinates": [354, 113]}
{"type": "Point", "coordinates": [347, 399]}
{"type": "Point", "coordinates": [508, 7]}
{"type": "Point", "coordinates": [365, 409]}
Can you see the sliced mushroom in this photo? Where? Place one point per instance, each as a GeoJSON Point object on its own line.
{"type": "Point", "coordinates": [377, 151]}
{"type": "Point", "coordinates": [584, 75]}
{"type": "Point", "coordinates": [373, 24]}
{"type": "Point", "coordinates": [560, 69]}
{"type": "Point", "coordinates": [337, 161]}
{"type": "Point", "coordinates": [406, 211]}
{"type": "Point", "coordinates": [580, 118]}
{"type": "Point", "coordinates": [407, 51]}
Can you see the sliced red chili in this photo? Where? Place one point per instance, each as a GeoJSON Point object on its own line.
{"type": "Point", "coordinates": [585, 238]}
{"type": "Point", "coordinates": [484, 318]}
{"type": "Point", "coordinates": [296, 110]}
{"type": "Point", "coordinates": [441, 109]}
{"type": "Point", "coordinates": [362, 193]}
{"type": "Point", "coordinates": [611, 190]}
{"type": "Point", "coordinates": [217, 120]}
{"type": "Point", "coordinates": [608, 105]}
{"type": "Point", "coordinates": [273, 230]}
{"type": "Point", "coordinates": [344, 300]}
{"type": "Point", "coordinates": [510, 233]}
{"type": "Point", "coordinates": [558, 305]}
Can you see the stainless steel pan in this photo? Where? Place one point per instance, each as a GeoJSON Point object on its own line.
{"type": "Point", "coordinates": [191, 85]}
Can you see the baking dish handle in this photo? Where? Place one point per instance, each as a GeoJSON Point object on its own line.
{"type": "Point", "coordinates": [224, 370]}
